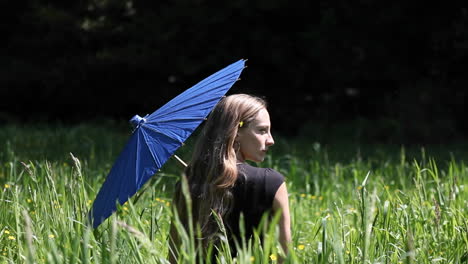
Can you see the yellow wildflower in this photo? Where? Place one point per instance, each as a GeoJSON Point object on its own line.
{"type": "Point", "coordinates": [7, 186]}
{"type": "Point", "coordinates": [7, 232]}
{"type": "Point", "coordinates": [51, 236]}
{"type": "Point", "coordinates": [252, 259]}
{"type": "Point", "coordinates": [11, 238]}
{"type": "Point", "coordinates": [300, 247]}
{"type": "Point", "coordinates": [273, 257]}
{"type": "Point", "coordinates": [303, 195]}
{"type": "Point", "coordinates": [29, 200]}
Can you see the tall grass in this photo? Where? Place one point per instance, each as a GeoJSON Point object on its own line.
{"type": "Point", "coordinates": [372, 205]}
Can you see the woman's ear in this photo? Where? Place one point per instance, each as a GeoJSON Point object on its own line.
{"type": "Point", "coordinates": [238, 135]}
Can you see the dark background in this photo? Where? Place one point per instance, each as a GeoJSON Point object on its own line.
{"type": "Point", "coordinates": [377, 71]}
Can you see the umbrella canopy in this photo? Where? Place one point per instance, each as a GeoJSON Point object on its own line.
{"type": "Point", "coordinates": [157, 136]}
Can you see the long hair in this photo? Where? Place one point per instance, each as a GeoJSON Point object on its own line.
{"type": "Point", "coordinates": [212, 171]}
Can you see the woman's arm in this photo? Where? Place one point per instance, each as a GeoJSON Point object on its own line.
{"type": "Point", "coordinates": [281, 202]}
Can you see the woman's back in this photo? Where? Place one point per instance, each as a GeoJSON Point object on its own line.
{"type": "Point", "coordinates": [253, 193]}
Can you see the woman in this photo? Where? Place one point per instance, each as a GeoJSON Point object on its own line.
{"type": "Point", "coordinates": [222, 183]}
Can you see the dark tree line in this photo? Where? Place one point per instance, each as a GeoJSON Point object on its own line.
{"type": "Point", "coordinates": [398, 67]}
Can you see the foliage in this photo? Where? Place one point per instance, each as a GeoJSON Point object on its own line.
{"type": "Point", "coordinates": [386, 205]}
{"type": "Point", "coordinates": [335, 60]}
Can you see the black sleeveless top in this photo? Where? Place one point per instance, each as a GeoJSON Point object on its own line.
{"type": "Point", "coordinates": [253, 195]}
{"type": "Point", "coordinates": [254, 192]}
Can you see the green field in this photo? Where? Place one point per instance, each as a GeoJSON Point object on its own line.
{"type": "Point", "coordinates": [349, 203]}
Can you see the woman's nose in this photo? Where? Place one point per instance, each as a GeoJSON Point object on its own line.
{"type": "Point", "coordinates": [270, 141]}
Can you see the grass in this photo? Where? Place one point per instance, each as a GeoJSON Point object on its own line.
{"type": "Point", "coordinates": [349, 203]}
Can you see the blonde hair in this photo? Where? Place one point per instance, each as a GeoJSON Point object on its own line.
{"type": "Point", "coordinates": [212, 171]}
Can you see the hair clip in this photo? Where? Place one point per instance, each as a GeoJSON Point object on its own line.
{"type": "Point", "coordinates": [241, 123]}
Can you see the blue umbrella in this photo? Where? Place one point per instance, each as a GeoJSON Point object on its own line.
{"type": "Point", "coordinates": [157, 136]}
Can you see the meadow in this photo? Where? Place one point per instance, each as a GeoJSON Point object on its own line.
{"type": "Point", "coordinates": [350, 203]}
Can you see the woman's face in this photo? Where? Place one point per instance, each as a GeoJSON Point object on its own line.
{"type": "Point", "coordinates": [255, 139]}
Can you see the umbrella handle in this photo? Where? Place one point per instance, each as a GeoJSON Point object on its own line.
{"type": "Point", "coordinates": [180, 160]}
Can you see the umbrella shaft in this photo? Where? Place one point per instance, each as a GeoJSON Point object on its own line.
{"type": "Point", "coordinates": [180, 160]}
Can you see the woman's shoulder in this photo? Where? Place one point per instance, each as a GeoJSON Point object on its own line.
{"type": "Point", "coordinates": [264, 182]}
{"type": "Point", "coordinates": [256, 174]}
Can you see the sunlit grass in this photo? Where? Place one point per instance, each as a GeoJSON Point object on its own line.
{"type": "Point", "coordinates": [403, 206]}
